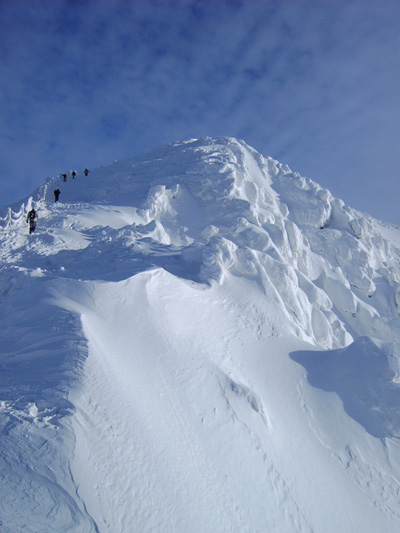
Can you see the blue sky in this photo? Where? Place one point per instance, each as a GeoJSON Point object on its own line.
{"type": "Point", "coordinates": [314, 84]}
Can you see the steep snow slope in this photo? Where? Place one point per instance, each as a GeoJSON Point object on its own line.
{"type": "Point", "coordinates": [198, 339]}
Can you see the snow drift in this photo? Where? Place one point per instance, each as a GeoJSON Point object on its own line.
{"type": "Point", "coordinates": [198, 339]}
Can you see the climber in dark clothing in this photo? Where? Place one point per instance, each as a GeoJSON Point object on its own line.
{"type": "Point", "coordinates": [86, 172]}
{"type": "Point", "coordinates": [73, 174]}
{"type": "Point", "coordinates": [56, 195]}
{"type": "Point", "coordinates": [64, 177]}
{"type": "Point", "coordinates": [31, 218]}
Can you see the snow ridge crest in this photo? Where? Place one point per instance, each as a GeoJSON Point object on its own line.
{"type": "Point", "coordinates": [213, 211]}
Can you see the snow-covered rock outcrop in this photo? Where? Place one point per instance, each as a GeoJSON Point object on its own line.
{"type": "Point", "coordinates": [166, 344]}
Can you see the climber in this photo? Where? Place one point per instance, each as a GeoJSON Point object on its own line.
{"type": "Point", "coordinates": [56, 195]}
{"type": "Point", "coordinates": [86, 172]}
{"type": "Point", "coordinates": [73, 174]}
{"type": "Point", "coordinates": [64, 177]}
{"type": "Point", "coordinates": [31, 218]}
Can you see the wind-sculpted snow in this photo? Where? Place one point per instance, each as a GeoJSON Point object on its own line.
{"type": "Point", "coordinates": [41, 355]}
{"type": "Point", "coordinates": [365, 377]}
{"type": "Point", "coordinates": [205, 208]}
{"type": "Point", "coordinates": [198, 339]}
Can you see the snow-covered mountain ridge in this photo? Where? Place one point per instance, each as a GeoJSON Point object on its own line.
{"type": "Point", "coordinates": [216, 207]}
{"type": "Point", "coordinates": [165, 324]}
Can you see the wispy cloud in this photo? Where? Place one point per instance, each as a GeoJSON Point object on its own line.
{"type": "Point", "coordinates": [312, 83]}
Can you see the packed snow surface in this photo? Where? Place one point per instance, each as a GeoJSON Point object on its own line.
{"type": "Point", "coordinates": [198, 339]}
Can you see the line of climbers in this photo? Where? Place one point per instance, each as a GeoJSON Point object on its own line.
{"type": "Point", "coordinates": [57, 192]}
{"type": "Point", "coordinates": [32, 216]}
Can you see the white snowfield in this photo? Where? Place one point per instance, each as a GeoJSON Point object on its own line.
{"type": "Point", "coordinates": [198, 340]}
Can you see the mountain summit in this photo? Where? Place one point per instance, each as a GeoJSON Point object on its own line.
{"type": "Point", "coordinates": [198, 339]}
